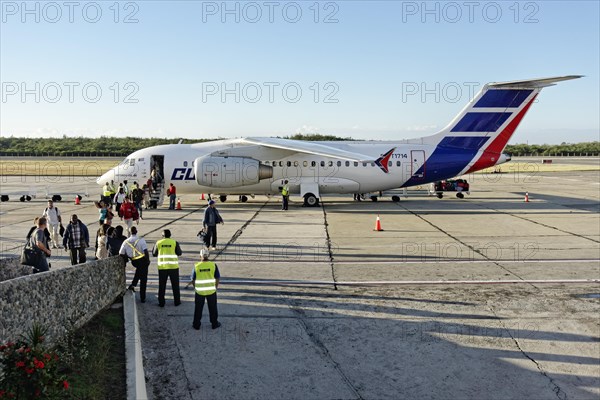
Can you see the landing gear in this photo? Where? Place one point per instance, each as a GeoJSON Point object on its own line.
{"type": "Point", "coordinates": [460, 195]}
{"type": "Point", "coordinates": [395, 199]}
{"type": "Point", "coordinates": [373, 198]}
{"type": "Point", "coordinates": [56, 197]}
{"type": "Point", "coordinates": [243, 199]}
{"type": "Point", "coordinates": [222, 198]}
{"type": "Point", "coordinates": [310, 200]}
{"type": "Point", "coordinates": [440, 195]}
{"type": "Point", "coordinates": [4, 198]}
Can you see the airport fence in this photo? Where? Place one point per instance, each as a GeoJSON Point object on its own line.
{"type": "Point", "coordinates": [61, 300]}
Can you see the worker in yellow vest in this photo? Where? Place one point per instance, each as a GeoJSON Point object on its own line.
{"type": "Point", "coordinates": [113, 191]}
{"type": "Point", "coordinates": [167, 250]}
{"type": "Point", "coordinates": [106, 194]}
{"type": "Point", "coordinates": [206, 281]}
{"type": "Point", "coordinates": [285, 193]}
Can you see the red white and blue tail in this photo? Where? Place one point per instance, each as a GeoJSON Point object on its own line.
{"type": "Point", "coordinates": [477, 136]}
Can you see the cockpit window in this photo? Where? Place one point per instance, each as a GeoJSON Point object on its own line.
{"type": "Point", "coordinates": [132, 162]}
{"type": "Point", "coordinates": [125, 162]}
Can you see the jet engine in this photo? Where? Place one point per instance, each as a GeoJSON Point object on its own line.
{"type": "Point", "coordinates": [228, 172]}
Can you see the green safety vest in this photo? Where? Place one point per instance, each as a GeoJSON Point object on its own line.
{"type": "Point", "coordinates": [205, 282]}
{"type": "Point", "coordinates": [111, 188]}
{"type": "Point", "coordinates": [285, 190]}
{"type": "Point", "coordinates": [167, 258]}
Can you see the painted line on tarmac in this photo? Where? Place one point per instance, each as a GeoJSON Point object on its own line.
{"type": "Point", "coordinates": [395, 283]}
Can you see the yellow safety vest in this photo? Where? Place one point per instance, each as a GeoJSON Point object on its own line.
{"type": "Point", "coordinates": [106, 192]}
{"type": "Point", "coordinates": [111, 189]}
{"type": "Point", "coordinates": [205, 283]}
{"type": "Point", "coordinates": [167, 258]}
{"type": "Point", "coordinates": [135, 250]}
{"type": "Point", "coordinates": [285, 190]}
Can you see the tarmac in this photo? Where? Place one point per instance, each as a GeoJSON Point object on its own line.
{"type": "Point", "coordinates": [454, 299]}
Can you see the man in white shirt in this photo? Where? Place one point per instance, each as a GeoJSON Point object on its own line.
{"type": "Point", "coordinates": [52, 215]}
{"type": "Point", "coordinates": [136, 250]}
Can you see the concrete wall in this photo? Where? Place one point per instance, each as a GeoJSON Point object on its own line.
{"type": "Point", "coordinates": [11, 268]}
{"type": "Point", "coordinates": [62, 299]}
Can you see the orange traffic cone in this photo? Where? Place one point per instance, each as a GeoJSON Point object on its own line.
{"type": "Point", "coordinates": [202, 198]}
{"type": "Point", "coordinates": [77, 200]}
{"type": "Point", "coordinates": [526, 197]}
{"type": "Point", "coordinates": [378, 224]}
{"type": "Point", "coordinates": [178, 204]}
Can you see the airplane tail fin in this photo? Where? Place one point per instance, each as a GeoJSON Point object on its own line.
{"type": "Point", "coordinates": [484, 127]}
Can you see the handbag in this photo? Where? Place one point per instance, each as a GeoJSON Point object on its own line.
{"type": "Point", "coordinates": [61, 231]}
{"type": "Point", "coordinates": [31, 256]}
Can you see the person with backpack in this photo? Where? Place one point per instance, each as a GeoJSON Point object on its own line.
{"type": "Point", "coordinates": [39, 242]}
{"type": "Point", "coordinates": [136, 250]}
{"type": "Point", "coordinates": [115, 240]}
{"type": "Point", "coordinates": [54, 220]}
{"type": "Point", "coordinates": [130, 214]}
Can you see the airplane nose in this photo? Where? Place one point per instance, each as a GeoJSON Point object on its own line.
{"type": "Point", "coordinates": [106, 177]}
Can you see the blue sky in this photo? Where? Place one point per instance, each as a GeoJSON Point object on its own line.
{"type": "Point", "coordinates": [370, 70]}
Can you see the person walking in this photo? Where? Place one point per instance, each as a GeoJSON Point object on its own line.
{"type": "Point", "coordinates": [112, 191]}
{"type": "Point", "coordinates": [211, 219]}
{"type": "Point", "coordinates": [125, 188]}
{"type": "Point", "coordinates": [119, 199]}
{"type": "Point", "coordinates": [54, 220]}
{"type": "Point", "coordinates": [115, 240]}
{"type": "Point", "coordinates": [172, 193]}
{"type": "Point", "coordinates": [130, 214]}
{"type": "Point", "coordinates": [76, 239]}
{"type": "Point", "coordinates": [39, 241]}
{"type": "Point", "coordinates": [135, 249]}
{"type": "Point", "coordinates": [102, 242]}
{"type": "Point", "coordinates": [137, 195]}
{"type": "Point", "coordinates": [167, 250]}
{"type": "Point", "coordinates": [285, 194]}
{"type": "Point", "coordinates": [206, 281]}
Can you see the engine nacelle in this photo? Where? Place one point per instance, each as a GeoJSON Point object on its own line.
{"type": "Point", "coordinates": [228, 172]}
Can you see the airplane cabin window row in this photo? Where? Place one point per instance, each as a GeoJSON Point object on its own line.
{"type": "Point", "coordinates": [323, 163]}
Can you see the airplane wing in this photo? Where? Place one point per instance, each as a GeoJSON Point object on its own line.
{"type": "Point", "coordinates": [308, 148]}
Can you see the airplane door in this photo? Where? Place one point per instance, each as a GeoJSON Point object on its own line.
{"type": "Point", "coordinates": [418, 161]}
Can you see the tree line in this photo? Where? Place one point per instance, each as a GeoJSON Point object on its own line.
{"type": "Point", "coordinates": [123, 146]}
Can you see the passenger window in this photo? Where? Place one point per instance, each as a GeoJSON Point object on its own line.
{"type": "Point", "coordinates": [305, 163]}
{"type": "Point", "coordinates": [364, 164]}
{"type": "Point", "coordinates": [347, 163]}
{"type": "Point", "coordinates": [390, 164]}
{"type": "Point", "coordinates": [185, 163]}
{"type": "Point", "coordinates": [372, 164]}
{"type": "Point", "coordinates": [266, 163]}
{"type": "Point", "coordinates": [295, 163]}
{"type": "Point", "coordinates": [356, 163]}
{"type": "Point", "coordinates": [330, 163]}
{"type": "Point", "coordinates": [274, 163]}
{"type": "Point", "coordinates": [397, 163]}
{"type": "Point", "coordinates": [140, 159]}
{"type": "Point", "coordinates": [281, 163]}
{"type": "Point", "coordinates": [322, 163]}
{"type": "Point", "coordinates": [313, 163]}
{"type": "Point", "coordinates": [339, 163]}
{"type": "Point", "coordinates": [289, 163]}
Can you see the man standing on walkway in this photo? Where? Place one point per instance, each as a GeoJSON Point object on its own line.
{"type": "Point", "coordinates": [285, 193]}
{"type": "Point", "coordinates": [206, 281]}
{"type": "Point", "coordinates": [136, 250]}
{"type": "Point", "coordinates": [54, 220]}
{"type": "Point", "coordinates": [137, 197]}
{"type": "Point", "coordinates": [211, 219]}
{"type": "Point", "coordinates": [76, 239]}
{"type": "Point", "coordinates": [172, 193]}
{"type": "Point", "coordinates": [167, 251]}
{"type": "Point", "coordinates": [130, 214]}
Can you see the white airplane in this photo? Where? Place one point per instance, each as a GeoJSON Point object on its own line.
{"type": "Point", "coordinates": [472, 141]}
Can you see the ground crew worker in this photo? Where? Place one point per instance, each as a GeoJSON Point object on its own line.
{"type": "Point", "coordinates": [285, 193]}
{"type": "Point", "coordinates": [125, 188]}
{"type": "Point", "coordinates": [167, 251]}
{"type": "Point", "coordinates": [136, 250]}
{"type": "Point", "coordinates": [106, 194]}
{"type": "Point", "coordinates": [206, 281]}
{"type": "Point", "coordinates": [113, 190]}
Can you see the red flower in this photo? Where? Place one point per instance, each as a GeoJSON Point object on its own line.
{"type": "Point", "coordinates": [20, 364]}
{"type": "Point", "coordinates": [29, 370]}
{"type": "Point", "coordinates": [65, 385]}
{"type": "Point", "coordinates": [47, 357]}
{"type": "Point", "coordinates": [38, 364]}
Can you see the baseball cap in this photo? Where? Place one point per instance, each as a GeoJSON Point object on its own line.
{"type": "Point", "coordinates": [211, 202]}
